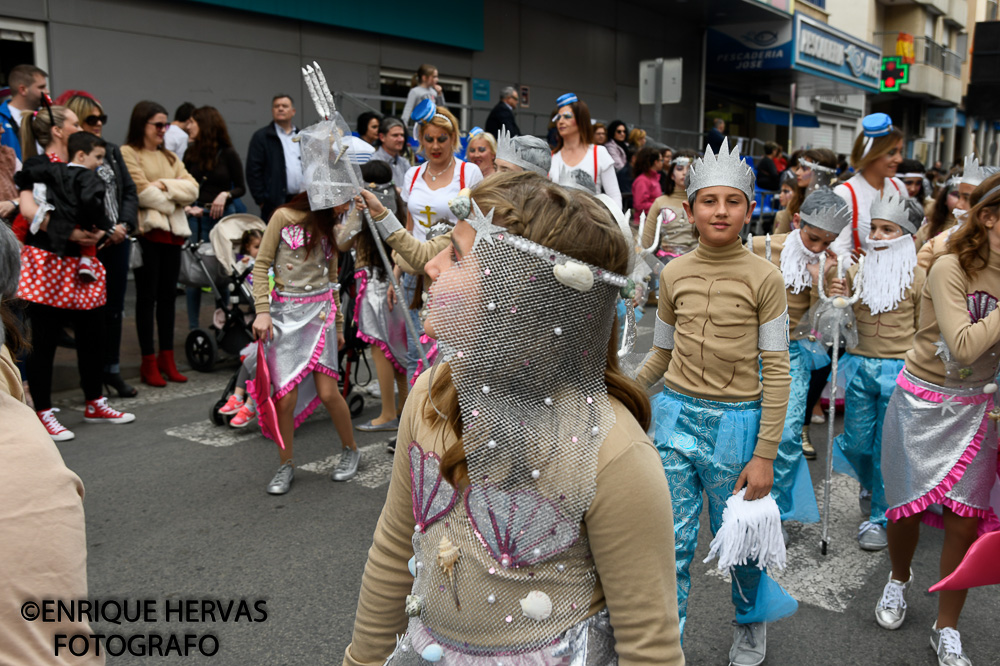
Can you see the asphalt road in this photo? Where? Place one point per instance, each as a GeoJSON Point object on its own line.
{"type": "Point", "coordinates": [176, 510]}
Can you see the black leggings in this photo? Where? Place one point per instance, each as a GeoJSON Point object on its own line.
{"type": "Point", "coordinates": [115, 260]}
{"type": "Point", "coordinates": [46, 328]}
{"type": "Point", "coordinates": [156, 289]}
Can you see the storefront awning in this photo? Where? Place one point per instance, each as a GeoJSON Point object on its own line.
{"type": "Point", "coordinates": [775, 115]}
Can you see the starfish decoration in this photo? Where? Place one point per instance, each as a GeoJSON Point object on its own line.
{"type": "Point", "coordinates": [483, 224]}
{"type": "Point", "coordinates": [942, 350]}
{"type": "Point", "coordinates": [947, 407]}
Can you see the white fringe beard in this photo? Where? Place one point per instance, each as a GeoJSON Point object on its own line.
{"type": "Point", "coordinates": [888, 273]}
{"type": "Point", "coordinates": [795, 260]}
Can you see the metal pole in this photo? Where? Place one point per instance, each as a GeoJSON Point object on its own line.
{"type": "Point", "coordinates": [658, 98]}
{"type": "Point", "coordinates": [791, 119]}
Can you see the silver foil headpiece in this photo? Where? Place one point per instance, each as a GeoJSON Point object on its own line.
{"type": "Point", "coordinates": [528, 152]}
{"type": "Point", "coordinates": [725, 168]}
{"type": "Point", "coordinates": [825, 210]}
{"type": "Point", "coordinates": [972, 173]}
{"type": "Point", "coordinates": [892, 207]}
{"type": "Point", "coordinates": [329, 168]}
{"type": "Point", "coordinates": [576, 179]}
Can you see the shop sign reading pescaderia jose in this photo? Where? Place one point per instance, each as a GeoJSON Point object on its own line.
{"type": "Point", "coordinates": [827, 51]}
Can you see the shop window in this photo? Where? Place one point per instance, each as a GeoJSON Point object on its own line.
{"type": "Point", "coordinates": [21, 43]}
{"type": "Point", "coordinates": [395, 85]}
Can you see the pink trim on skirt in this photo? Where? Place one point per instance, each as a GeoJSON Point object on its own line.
{"type": "Point", "coordinates": [361, 277]}
{"type": "Point", "coordinates": [988, 519]}
{"type": "Point", "coordinates": [431, 355]}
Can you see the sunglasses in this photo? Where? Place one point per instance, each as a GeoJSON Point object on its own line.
{"type": "Point", "coordinates": [160, 127]}
{"type": "Point", "coordinates": [478, 149]}
{"type": "Point", "coordinates": [93, 120]}
{"type": "Point", "coordinates": [444, 138]}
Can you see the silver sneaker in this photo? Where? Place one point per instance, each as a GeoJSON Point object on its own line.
{"type": "Point", "coordinates": [388, 426]}
{"type": "Point", "coordinates": [865, 503]}
{"type": "Point", "coordinates": [347, 468]}
{"type": "Point", "coordinates": [948, 645]}
{"type": "Point", "coordinates": [749, 644]}
{"type": "Point", "coordinates": [891, 609]}
{"type": "Point", "coordinates": [282, 480]}
{"type": "Point", "coordinates": [871, 536]}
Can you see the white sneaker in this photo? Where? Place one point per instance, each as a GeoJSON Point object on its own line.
{"type": "Point", "coordinates": [891, 609]}
{"type": "Point", "coordinates": [948, 645]}
{"type": "Point", "coordinates": [872, 536]}
{"type": "Point", "coordinates": [749, 644]}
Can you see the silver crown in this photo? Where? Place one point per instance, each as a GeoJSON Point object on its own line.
{"type": "Point", "coordinates": [825, 210]}
{"type": "Point", "coordinates": [576, 179]}
{"type": "Point", "coordinates": [972, 173]}
{"type": "Point", "coordinates": [892, 207]}
{"type": "Point", "coordinates": [725, 168]}
{"type": "Point", "coordinates": [518, 149]}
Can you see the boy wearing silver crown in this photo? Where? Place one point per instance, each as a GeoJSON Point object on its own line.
{"type": "Point", "coordinates": [887, 314]}
{"type": "Point", "coordinates": [717, 424]}
{"type": "Point", "coordinates": [800, 254]}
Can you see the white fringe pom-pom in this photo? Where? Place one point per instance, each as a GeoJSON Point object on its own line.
{"type": "Point", "coordinates": [750, 530]}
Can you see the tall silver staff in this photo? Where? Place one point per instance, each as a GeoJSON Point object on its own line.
{"type": "Point", "coordinates": [836, 314]}
{"type": "Point", "coordinates": [340, 165]}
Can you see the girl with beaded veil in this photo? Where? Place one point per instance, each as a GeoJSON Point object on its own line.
{"type": "Point", "coordinates": [939, 441]}
{"type": "Point", "coordinates": [526, 480]}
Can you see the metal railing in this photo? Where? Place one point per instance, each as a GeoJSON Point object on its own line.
{"type": "Point", "coordinates": [926, 52]}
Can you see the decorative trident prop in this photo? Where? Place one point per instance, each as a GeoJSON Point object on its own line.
{"type": "Point", "coordinates": [836, 315]}
{"type": "Point", "coordinates": [344, 191]}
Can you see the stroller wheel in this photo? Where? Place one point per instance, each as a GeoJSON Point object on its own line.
{"type": "Point", "coordinates": [356, 404]}
{"type": "Point", "coordinates": [201, 350]}
{"type": "Point", "coordinates": [213, 414]}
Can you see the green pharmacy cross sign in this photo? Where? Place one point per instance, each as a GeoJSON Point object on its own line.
{"type": "Point", "coordinates": [895, 73]}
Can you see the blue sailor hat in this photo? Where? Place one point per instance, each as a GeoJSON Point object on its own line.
{"type": "Point", "coordinates": [567, 98]}
{"type": "Point", "coordinates": [876, 125]}
{"type": "Point", "coordinates": [475, 131]}
{"type": "Point", "coordinates": [423, 111]}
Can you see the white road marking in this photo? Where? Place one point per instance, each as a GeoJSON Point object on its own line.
{"type": "Point", "coordinates": [829, 581]}
{"type": "Point", "coordinates": [374, 471]}
{"type": "Point", "coordinates": [209, 434]}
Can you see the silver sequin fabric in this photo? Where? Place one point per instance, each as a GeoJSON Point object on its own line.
{"type": "Point", "coordinates": [922, 441]}
{"type": "Point", "coordinates": [380, 325]}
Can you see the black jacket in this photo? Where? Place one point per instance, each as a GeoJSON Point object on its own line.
{"type": "Point", "coordinates": [266, 177]}
{"type": "Point", "coordinates": [76, 193]}
{"type": "Point", "coordinates": [128, 198]}
{"type": "Point", "coordinates": [767, 175]}
{"type": "Point", "coordinates": [501, 116]}
{"type": "Point", "coordinates": [715, 139]}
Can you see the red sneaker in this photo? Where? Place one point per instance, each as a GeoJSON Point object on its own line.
{"type": "Point", "coordinates": [55, 429]}
{"type": "Point", "coordinates": [232, 405]}
{"type": "Point", "coordinates": [98, 411]}
{"type": "Point", "coordinates": [245, 417]}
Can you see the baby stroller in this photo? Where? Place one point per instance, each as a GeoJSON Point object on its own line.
{"type": "Point", "coordinates": [214, 265]}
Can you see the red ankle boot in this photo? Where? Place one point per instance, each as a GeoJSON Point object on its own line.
{"type": "Point", "coordinates": [150, 373]}
{"type": "Point", "coordinates": [165, 362]}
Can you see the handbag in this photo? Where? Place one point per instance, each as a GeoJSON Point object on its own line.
{"type": "Point", "coordinates": [135, 254]}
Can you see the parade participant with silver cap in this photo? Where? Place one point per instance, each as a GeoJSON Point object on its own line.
{"type": "Point", "coordinates": [886, 316]}
{"type": "Point", "coordinates": [522, 153]}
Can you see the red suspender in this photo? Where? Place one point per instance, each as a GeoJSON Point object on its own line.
{"type": "Point", "coordinates": [461, 178]}
{"type": "Point", "coordinates": [894, 184]}
{"type": "Point", "coordinates": [854, 217]}
{"type": "Point", "coordinates": [595, 164]}
{"type": "Point", "coordinates": [414, 181]}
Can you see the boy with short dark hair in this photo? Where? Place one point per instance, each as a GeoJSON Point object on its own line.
{"type": "Point", "coordinates": [722, 312]}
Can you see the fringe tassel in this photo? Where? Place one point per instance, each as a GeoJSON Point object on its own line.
{"type": "Point", "coordinates": [750, 531]}
{"type": "Point", "coordinates": [888, 273]}
{"type": "Point", "coordinates": [795, 260]}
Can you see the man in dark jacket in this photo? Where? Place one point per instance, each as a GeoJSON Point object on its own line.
{"type": "Point", "coordinates": [767, 172]}
{"type": "Point", "coordinates": [717, 134]}
{"type": "Point", "coordinates": [274, 163]}
{"type": "Point", "coordinates": [502, 114]}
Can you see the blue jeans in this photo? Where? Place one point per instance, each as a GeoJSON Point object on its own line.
{"type": "Point", "coordinates": [412, 344]}
{"type": "Point", "coordinates": [200, 228]}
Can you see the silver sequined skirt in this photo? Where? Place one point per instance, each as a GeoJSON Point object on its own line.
{"type": "Point", "coordinates": [377, 324]}
{"type": "Point", "coordinates": [587, 643]}
{"type": "Point", "coordinates": [304, 342]}
{"type": "Point", "coordinates": [939, 447]}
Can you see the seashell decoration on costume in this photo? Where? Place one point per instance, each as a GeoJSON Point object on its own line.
{"type": "Point", "coordinates": [448, 554]}
{"type": "Point", "coordinates": [574, 275]}
{"type": "Point", "coordinates": [536, 606]}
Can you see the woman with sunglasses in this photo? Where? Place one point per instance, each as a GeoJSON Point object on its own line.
{"type": "Point", "coordinates": [165, 187]}
{"type": "Point", "coordinates": [617, 144]}
{"type": "Point", "coordinates": [482, 150]}
{"type": "Point", "coordinates": [576, 149]}
{"type": "Point", "coordinates": [121, 204]}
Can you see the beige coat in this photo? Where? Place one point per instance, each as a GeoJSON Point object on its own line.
{"type": "Point", "coordinates": [159, 210]}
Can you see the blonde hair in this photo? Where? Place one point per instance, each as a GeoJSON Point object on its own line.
{"type": "Point", "coordinates": [880, 146]}
{"type": "Point", "coordinates": [636, 135]}
{"type": "Point", "coordinates": [448, 123]}
{"type": "Point", "coordinates": [568, 221]}
{"type": "Point", "coordinates": [39, 128]}
{"type": "Point", "coordinates": [82, 105]}
{"type": "Point", "coordinates": [488, 138]}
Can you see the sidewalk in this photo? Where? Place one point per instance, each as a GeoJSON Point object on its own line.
{"type": "Point", "coordinates": [65, 376]}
